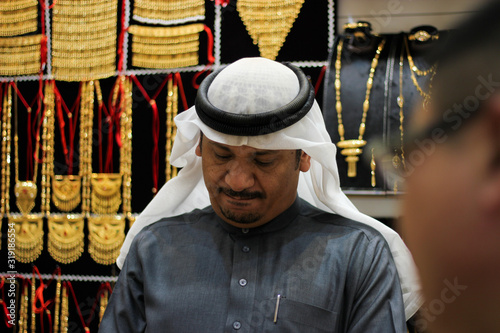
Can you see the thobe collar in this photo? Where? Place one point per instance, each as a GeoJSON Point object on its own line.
{"type": "Point", "coordinates": [279, 222]}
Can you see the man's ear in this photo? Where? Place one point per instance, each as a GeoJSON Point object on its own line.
{"type": "Point", "coordinates": [305, 162]}
{"type": "Point", "coordinates": [198, 147]}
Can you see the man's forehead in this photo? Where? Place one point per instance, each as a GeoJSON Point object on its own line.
{"type": "Point", "coordinates": [256, 151]}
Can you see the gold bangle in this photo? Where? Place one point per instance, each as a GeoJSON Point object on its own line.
{"type": "Point", "coordinates": [84, 74]}
{"type": "Point", "coordinates": [17, 4]}
{"type": "Point", "coordinates": [166, 31]}
{"type": "Point", "coordinates": [21, 41]}
{"type": "Point", "coordinates": [19, 16]}
{"type": "Point", "coordinates": [174, 62]}
{"type": "Point", "coordinates": [163, 41]}
{"type": "Point", "coordinates": [165, 49]}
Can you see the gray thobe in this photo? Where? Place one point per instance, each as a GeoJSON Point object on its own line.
{"type": "Point", "coordinates": [305, 271]}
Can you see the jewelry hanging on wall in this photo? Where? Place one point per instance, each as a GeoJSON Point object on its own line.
{"type": "Point", "coordinates": [399, 162]}
{"type": "Point", "coordinates": [82, 31]}
{"type": "Point", "coordinates": [67, 188]}
{"type": "Point", "coordinates": [268, 22]}
{"type": "Point", "coordinates": [6, 149]}
{"type": "Point", "coordinates": [431, 72]}
{"type": "Point", "coordinates": [86, 130]}
{"type": "Point", "coordinates": [165, 47]}
{"type": "Point", "coordinates": [20, 55]}
{"type": "Point", "coordinates": [106, 235]}
{"type": "Point", "coordinates": [29, 236]}
{"type": "Point", "coordinates": [352, 148]}
{"type": "Point", "coordinates": [18, 17]}
{"type": "Point", "coordinates": [57, 304]}
{"type": "Point", "coordinates": [64, 308]}
{"type": "Point", "coordinates": [126, 147]}
{"type": "Point", "coordinates": [172, 109]}
{"type": "Point", "coordinates": [48, 134]}
{"type": "Point", "coordinates": [66, 238]}
{"type": "Point", "coordinates": [106, 185]}
{"type": "Point", "coordinates": [168, 12]}
{"type": "Point", "coordinates": [22, 324]}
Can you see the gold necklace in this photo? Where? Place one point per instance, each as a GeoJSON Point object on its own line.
{"type": "Point", "coordinates": [66, 238]}
{"type": "Point", "coordinates": [6, 151]}
{"type": "Point", "coordinates": [415, 70]}
{"type": "Point", "coordinates": [126, 148]}
{"type": "Point", "coordinates": [48, 134]}
{"type": "Point", "coordinates": [398, 162]}
{"type": "Point", "coordinates": [57, 305]}
{"type": "Point", "coordinates": [86, 127]}
{"type": "Point", "coordinates": [352, 148]}
{"type": "Point", "coordinates": [106, 235]}
{"type": "Point", "coordinates": [64, 309]}
{"type": "Point", "coordinates": [268, 22]}
{"type": "Point", "coordinates": [172, 107]}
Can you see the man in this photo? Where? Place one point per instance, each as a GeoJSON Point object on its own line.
{"type": "Point", "coordinates": [452, 207]}
{"type": "Point", "coordinates": [258, 258]}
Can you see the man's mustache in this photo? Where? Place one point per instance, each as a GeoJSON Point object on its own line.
{"type": "Point", "coordinates": [241, 194]}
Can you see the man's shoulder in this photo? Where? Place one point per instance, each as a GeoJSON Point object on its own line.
{"type": "Point", "coordinates": [337, 222]}
{"type": "Point", "coordinates": [182, 220]}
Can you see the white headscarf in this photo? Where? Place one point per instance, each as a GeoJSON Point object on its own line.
{"type": "Point", "coordinates": [255, 85]}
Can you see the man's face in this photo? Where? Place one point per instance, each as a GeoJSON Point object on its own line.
{"type": "Point", "coordinates": [248, 187]}
{"type": "Point", "coordinates": [451, 218]}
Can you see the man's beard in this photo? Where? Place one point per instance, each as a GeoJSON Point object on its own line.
{"type": "Point", "coordinates": [243, 218]}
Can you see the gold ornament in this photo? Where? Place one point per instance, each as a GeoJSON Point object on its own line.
{"type": "Point", "coordinates": [172, 107]}
{"type": "Point", "coordinates": [48, 134]}
{"type": "Point", "coordinates": [64, 309]}
{"type": "Point", "coordinates": [103, 303]}
{"type": "Point", "coordinates": [106, 198]}
{"type": "Point", "coordinates": [352, 148]}
{"type": "Point", "coordinates": [165, 47]}
{"type": "Point", "coordinates": [29, 236]}
{"type": "Point", "coordinates": [57, 306]}
{"type": "Point", "coordinates": [25, 192]}
{"type": "Point", "coordinates": [65, 238]}
{"type": "Point", "coordinates": [86, 127]}
{"type": "Point", "coordinates": [106, 235]}
{"type": "Point", "coordinates": [172, 10]}
{"type": "Point", "coordinates": [20, 55]}
{"type": "Point", "coordinates": [66, 191]}
{"type": "Point", "coordinates": [83, 29]}
{"type": "Point", "coordinates": [6, 152]}
{"type": "Point", "coordinates": [126, 148]}
{"type": "Point", "coordinates": [268, 22]}
{"type": "Point", "coordinates": [18, 17]}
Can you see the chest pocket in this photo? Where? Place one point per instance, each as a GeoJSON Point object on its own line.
{"type": "Point", "coordinates": [294, 316]}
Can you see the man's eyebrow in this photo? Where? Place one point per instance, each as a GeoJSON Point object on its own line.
{"type": "Point", "coordinates": [266, 152]}
{"type": "Point", "coordinates": [218, 145]}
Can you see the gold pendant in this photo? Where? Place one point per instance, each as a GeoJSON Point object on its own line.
{"type": "Point", "coordinates": [351, 149]}
{"type": "Point", "coordinates": [25, 192]}
{"type": "Point", "coordinates": [29, 237]}
{"type": "Point", "coordinates": [269, 22]}
{"type": "Point", "coordinates": [66, 192]}
{"type": "Point", "coordinates": [65, 239]}
{"type": "Point", "coordinates": [106, 235]}
{"type": "Point", "coordinates": [106, 195]}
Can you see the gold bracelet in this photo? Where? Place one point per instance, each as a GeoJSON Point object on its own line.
{"type": "Point", "coordinates": [19, 16]}
{"type": "Point", "coordinates": [106, 235]}
{"type": "Point", "coordinates": [174, 62]}
{"type": "Point", "coordinates": [86, 53]}
{"type": "Point", "coordinates": [269, 20]}
{"type": "Point", "coordinates": [10, 5]}
{"type": "Point", "coordinates": [184, 30]}
{"type": "Point", "coordinates": [85, 38]}
{"type": "Point", "coordinates": [154, 41]}
{"type": "Point", "coordinates": [94, 10]}
{"type": "Point", "coordinates": [166, 49]}
{"type": "Point", "coordinates": [21, 41]}
{"type": "Point", "coordinates": [16, 70]}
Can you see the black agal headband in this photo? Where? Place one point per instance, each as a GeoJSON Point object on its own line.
{"type": "Point", "coordinates": [255, 124]}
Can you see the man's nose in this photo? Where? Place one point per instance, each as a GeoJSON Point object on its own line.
{"type": "Point", "coordinates": [239, 176]}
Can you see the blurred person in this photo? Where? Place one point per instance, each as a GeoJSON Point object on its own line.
{"type": "Point", "coordinates": [451, 210]}
{"type": "Point", "coordinates": [228, 245]}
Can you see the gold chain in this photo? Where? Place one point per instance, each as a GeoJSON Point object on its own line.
{"type": "Point", "coordinates": [64, 309]}
{"type": "Point", "coordinates": [397, 161]}
{"type": "Point", "coordinates": [126, 149]}
{"type": "Point", "coordinates": [352, 148]}
{"type": "Point", "coordinates": [269, 22]}
{"type": "Point", "coordinates": [6, 151]}
{"type": "Point", "coordinates": [86, 126]}
{"type": "Point", "coordinates": [432, 71]}
{"type": "Point", "coordinates": [103, 303]}
{"type": "Point", "coordinates": [23, 311]}
{"type": "Point", "coordinates": [48, 134]}
{"type": "Point", "coordinates": [57, 305]}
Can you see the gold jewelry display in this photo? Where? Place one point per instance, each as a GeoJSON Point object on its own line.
{"type": "Point", "coordinates": [126, 148]}
{"type": "Point", "coordinates": [86, 127]}
{"type": "Point", "coordinates": [18, 17]}
{"type": "Point", "coordinates": [23, 311]}
{"type": "Point", "coordinates": [172, 107]}
{"type": "Point", "coordinates": [268, 22]}
{"type": "Point", "coordinates": [20, 55]}
{"type": "Point", "coordinates": [103, 303]}
{"type": "Point", "coordinates": [106, 194]}
{"type": "Point", "coordinates": [106, 235]}
{"type": "Point", "coordinates": [66, 191]}
{"type": "Point", "coordinates": [25, 191]}
{"type": "Point", "coordinates": [29, 236]}
{"type": "Point", "coordinates": [352, 148]}
{"type": "Point", "coordinates": [165, 47]}
{"type": "Point", "coordinates": [33, 300]}
{"type": "Point", "coordinates": [48, 134]}
{"type": "Point", "coordinates": [415, 70]}
{"type": "Point", "coordinates": [398, 162]}
{"type": "Point", "coordinates": [6, 151]}
{"type": "Point", "coordinates": [171, 10]}
{"type": "Point", "coordinates": [64, 309]}
{"type": "Point", "coordinates": [65, 238]}
{"type": "Point", "coordinates": [82, 28]}
{"type": "Point", "coordinates": [57, 305]}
